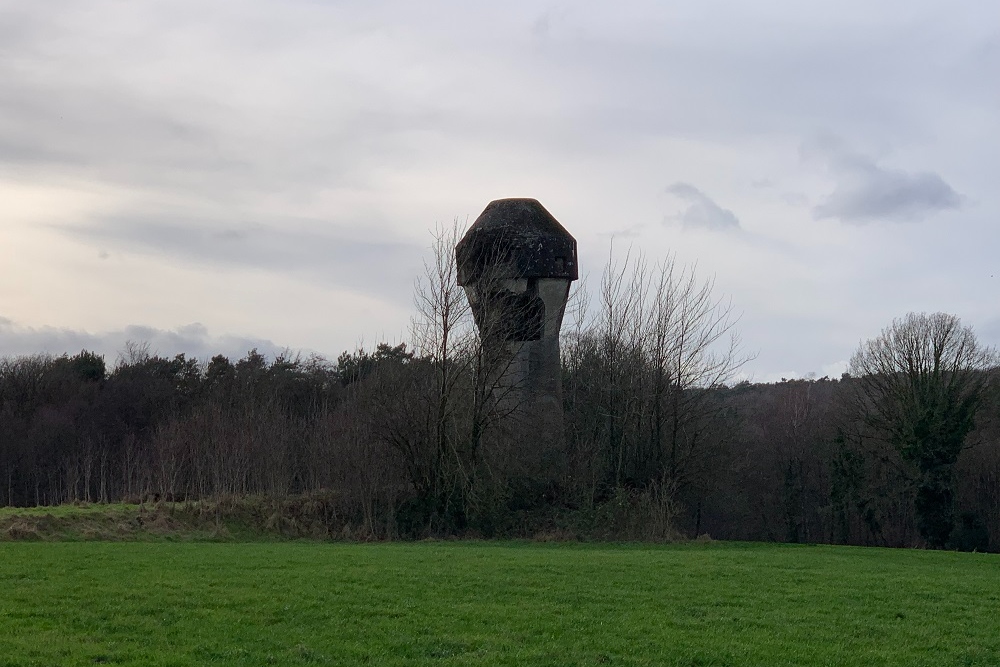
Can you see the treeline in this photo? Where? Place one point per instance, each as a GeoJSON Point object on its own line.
{"type": "Point", "coordinates": [74, 430]}
{"type": "Point", "coordinates": [771, 462]}
{"type": "Point", "coordinates": [661, 439]}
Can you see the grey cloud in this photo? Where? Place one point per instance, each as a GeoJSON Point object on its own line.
{"type": "Point", "coordinates": [775, 70]}
{"type": "Point", "coordinates": [794, 198]}
{"type": "Point", "coordinates": [80, 100]}
{"type": "Point", "coordinates": [193, 340]}
{"type": "Point", "coordinates": [702, 212]}
{"type": "Point", "coordinates": [602, 81]}
{"type": "Point", "coordinates": [314, 250]}
{"type": "Point", "coordinates": [866, 192]}
{"type": "Point", "coordinates": [540, 28]}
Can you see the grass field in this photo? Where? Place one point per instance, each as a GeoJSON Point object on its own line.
{"type": "Point", "coordinates": [467, 603]}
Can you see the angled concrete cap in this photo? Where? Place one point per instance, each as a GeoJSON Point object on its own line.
{"type": "Point", "coordinates": [522, 238]}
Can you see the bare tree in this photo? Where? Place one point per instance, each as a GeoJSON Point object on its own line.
{"type": "Point", "coordinates": [443, 338]}
{"type": "Point", "coordinates": [458, 390]}
{"type": "Point", "coordinates": [920, 384]}
{"type": "Point", "coordinates": [620, 332]}
{"type": "Point", "coordinates": [644, 374]}
{"type": "Point", "coordinates": [693, 348]}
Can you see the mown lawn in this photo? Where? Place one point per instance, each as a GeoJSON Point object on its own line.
{"type": "Point", "coordinates": [468, 603]}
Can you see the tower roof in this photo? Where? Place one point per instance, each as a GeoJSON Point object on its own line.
{"type": "Point", "coordinates": [521, 239]}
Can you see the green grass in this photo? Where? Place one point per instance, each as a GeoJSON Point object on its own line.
{"type": "Point", "coordinates": [467, 603]}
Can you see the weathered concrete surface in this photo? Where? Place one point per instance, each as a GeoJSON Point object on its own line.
{"type": "Point", "coordinates": [520, 235]}
{"type": "Point", "coordinates": [516, 264]}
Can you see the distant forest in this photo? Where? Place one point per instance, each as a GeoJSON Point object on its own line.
{"type": "Point", "coordinates": [662, 441]}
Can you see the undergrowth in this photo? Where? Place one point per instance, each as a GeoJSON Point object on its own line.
{"type": "Point", "coordinates": [325, 515]}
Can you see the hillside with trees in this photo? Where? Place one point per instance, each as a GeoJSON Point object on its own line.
{"type": "Point", "coordinates": [662, 439]}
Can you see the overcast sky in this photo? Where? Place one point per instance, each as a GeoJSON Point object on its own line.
{"type": "Point", "coordinates": [215, 176]}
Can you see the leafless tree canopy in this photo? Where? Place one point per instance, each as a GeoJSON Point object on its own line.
{"type": "Point", "coordinates": [920, 385]}
{"type": "Point", "coordinates": [647, 364]}
{"type": "Point", "coordinates": [923, 372]}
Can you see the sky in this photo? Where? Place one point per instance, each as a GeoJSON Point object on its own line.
{"type": "Point", "coordinates": [211, 177]}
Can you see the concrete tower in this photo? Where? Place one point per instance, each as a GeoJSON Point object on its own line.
{"type": "Point", "coordinates": [516, 264]}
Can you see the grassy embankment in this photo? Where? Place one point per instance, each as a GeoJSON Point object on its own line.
{"type": "Point", "coordinates": [469, 603]}
{"type": "Point", "coordinates": [239, 519]}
